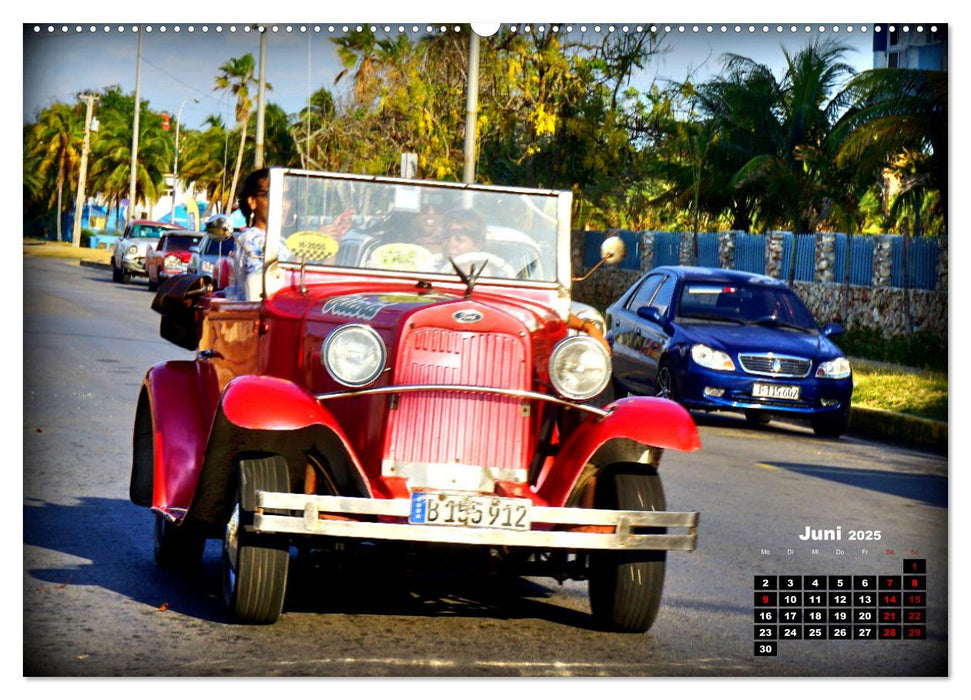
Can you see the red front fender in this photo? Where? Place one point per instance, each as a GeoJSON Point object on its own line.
{"type": "Point", "coordinates": [649, 421]}
{"type": "Point", "coordinates": [270, 403]}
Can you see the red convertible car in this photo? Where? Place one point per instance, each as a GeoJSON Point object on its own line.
{"type": "Point", "coordinates": [416, 382]}
{"type": "Point", "coordinates": [170, 257]}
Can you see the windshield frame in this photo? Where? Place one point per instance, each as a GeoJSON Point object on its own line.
{"type": "Point", "coordinates": [561, 279]}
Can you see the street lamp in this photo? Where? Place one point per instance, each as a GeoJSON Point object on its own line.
{"type": "Point", "coordinates": [175, 165]}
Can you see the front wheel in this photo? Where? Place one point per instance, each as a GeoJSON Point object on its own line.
{"type": "Point", "coordinates": [664, 382]}
{"type": "Point", "coordinates": [625, 587]}
{"type": "Point", "coordinates": [115, 272]}
{"type": "Point", "coordinates": [254, 565]}
{"type": "Point", "coordinates": [831, 426]}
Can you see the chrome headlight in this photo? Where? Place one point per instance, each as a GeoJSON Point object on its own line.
{"type": "Point", "coordinates": [354, 355]}
{"type": "Point", "coordinates": [132, 249]}
{"type": "Point", "coordinates": [838, 368]}
{"type": "Point", "coordinates": [711, 358]}
{"type": "Point", "coordinates": [579, 367]}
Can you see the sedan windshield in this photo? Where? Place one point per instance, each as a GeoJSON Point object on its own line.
{"type": "Point", "coordinates": [419, 228]}
{"type": "Point", "coordinates": [745, 304]}
{"type": "Point", "coordinates": [180, 242]}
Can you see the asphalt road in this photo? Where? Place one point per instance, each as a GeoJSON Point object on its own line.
{"type": "Point", "coordinates": [96, 605]}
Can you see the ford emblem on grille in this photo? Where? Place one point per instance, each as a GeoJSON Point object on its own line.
{"type": "Point", "coordinates": [467, 316]}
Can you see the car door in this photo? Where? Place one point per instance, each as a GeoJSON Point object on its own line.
{"type": "Point", "coordinates": [628, 336]}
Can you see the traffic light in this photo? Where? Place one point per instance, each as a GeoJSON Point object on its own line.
{"type": "Point", "coordinates": [165, 121]}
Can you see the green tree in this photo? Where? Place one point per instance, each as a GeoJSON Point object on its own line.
{"type": "Point", "coordinates": [237, 76]}
{"type": "Point", "coordinates": [55, 144]}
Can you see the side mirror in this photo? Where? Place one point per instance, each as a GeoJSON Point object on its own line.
{"type": "Point", "coordinates": [649, 313]}
{"type": "Point", "coordinates": [613, 250]}
{"type": "Point", "coordinates": [832, 330]}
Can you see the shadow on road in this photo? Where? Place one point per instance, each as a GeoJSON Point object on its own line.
{"type": "Point", "coordinates": [929, 488]}
{"type": "Point", "coordinates": [118, 558]}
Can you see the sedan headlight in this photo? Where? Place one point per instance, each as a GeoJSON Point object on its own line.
{"type": "Point", "coordinates": [838, 368]}
{"type": "Point", "coordinates": [711, 358]}
{"type": "Point", "coordinates": [354, 355]}
{"type": "Point", "coordinates": [579, 367]}
{"type": "Point", "coordinates": [132, 249]}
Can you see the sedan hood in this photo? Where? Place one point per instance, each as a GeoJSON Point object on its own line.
{"type": "Point", "coordinates": [754, 338]}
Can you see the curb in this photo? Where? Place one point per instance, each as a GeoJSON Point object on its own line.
{"type": "Point", "coordinates": [898, 427]}
{"type": "Point", "coordinates": [95, 264]}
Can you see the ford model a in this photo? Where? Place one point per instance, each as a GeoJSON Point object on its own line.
{"type": "Point", "coordinates": [404, 371]}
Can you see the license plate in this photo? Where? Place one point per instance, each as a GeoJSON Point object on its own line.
{"type": "Point", "coordinates": [465, 510]}
{"type": "Point", "coordinates": [776, 391]}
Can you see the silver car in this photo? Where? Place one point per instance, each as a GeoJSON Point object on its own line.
{"type": "Point", "coordinates": [131, 250]}
{"type": "Point", "coordinates": [213, 255]}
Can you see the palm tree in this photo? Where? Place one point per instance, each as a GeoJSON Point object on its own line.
{"type": "Point", "coordinates": [236, 76]}
{"type": "Point", "coordinates": [56, 141]}
{"type": "Point", "coordinates": [207, 152]}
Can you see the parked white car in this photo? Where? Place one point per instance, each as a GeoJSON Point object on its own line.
{"type": "Point", "coordinates": [131, 250]}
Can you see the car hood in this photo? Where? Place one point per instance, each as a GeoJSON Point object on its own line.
{"type": "Point", "coordinates": [142, 243]}
{"type": "Point", "coordinates": [734, 339]}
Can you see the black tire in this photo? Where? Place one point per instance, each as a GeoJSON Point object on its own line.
{"type": "Point", "coordinates": [664, 382]}
{"type": "Point", "coordinates": [254, 565]}
{"type": "Point", "coordinates": [831, 426]}
{"type": "Point", "coordinates": [177, 546]}
{"type": "Point", "coordinates": [625, 587]}
{"type": "Point", "coordinates": [115, 272]}
{"type": "Point", "coordinates": [153, 286]}
{"type": "Point", "coordinates": [125, 277]}
{"type": "Point", "coordinates": [757, 418]}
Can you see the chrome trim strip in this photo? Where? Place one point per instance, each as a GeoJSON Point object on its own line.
{"type": "Point", "coordinates": [773, 356]}
{"type": "Point", "coordinates": [514, 393]}
{"type": "Point", "coordinates": [309, 508]}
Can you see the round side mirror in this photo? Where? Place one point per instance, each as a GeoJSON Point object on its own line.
{"type": "Point", "coordinates": [612, 250]}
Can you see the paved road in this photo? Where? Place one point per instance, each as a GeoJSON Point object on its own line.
{"type": "Point", "coordinates": [96, 605]}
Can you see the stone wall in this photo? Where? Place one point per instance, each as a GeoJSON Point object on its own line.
{"type": "Point", "coordinates": [880, 307]}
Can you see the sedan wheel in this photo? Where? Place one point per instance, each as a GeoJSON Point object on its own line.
{"type": "Point", "coordinates": [664, 383]}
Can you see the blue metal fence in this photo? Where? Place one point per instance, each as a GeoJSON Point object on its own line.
{"type": "Point", "coordinates": [750, 255]}
{"type": "Point", "coordinates": [805, 257]}
{"type": "Point", "coordinates": [750, 252]}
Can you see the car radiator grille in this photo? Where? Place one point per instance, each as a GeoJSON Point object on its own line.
{"type": "Point", "coordinates": [771, 365]}
{"type": "Point", "coordinates": [441, 427]}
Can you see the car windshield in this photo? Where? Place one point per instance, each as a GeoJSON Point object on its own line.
{"type": "Point", "coordinates": [421, 227]}
{"type": "Point", "coordinates": [745, 304]}
{"type": "Point", "coordinates": [143, 231]}
{"type": "Point", "coordinates": [180, 242]}
{"type": "Point", "coordinates": [219, 247]}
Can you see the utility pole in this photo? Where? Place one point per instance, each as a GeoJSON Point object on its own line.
{"type": "Point", "coordinates": [175, 164]}
{"type": "Point", "coordinates": [83, 174]}
{"type": "Point", "coordinates": [261, 102]}
{"type": "Point", "coordinates": [134, 136]}
{"type": "Point", "coordinates": [471, 108]}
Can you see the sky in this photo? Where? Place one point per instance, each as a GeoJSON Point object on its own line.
{"type": "Point", "coordinates": [180, 61]}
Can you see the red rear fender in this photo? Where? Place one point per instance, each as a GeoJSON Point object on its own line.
{"type": "Point", "coordinates": [636, 422]}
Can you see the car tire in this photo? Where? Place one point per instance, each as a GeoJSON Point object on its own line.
{"type": "Point", "coordinates": [177, 546]}
{"type": "Point", "coordinates": [757, 418]}
{"type": "Point", "coordinates": [152, 286]}
{"type": "Point", "coordinates": [831, 426]}
{"type": "Point", "coordinates": [125, 277]}
{"type": "Point", "coordinates": [664, 382]}
{"type": "Point", "coordinates": [115, 272]}
{"type": "Point", "coordinates": [625, 587]}
{"type": "Point", "coordinates": [254, 565]}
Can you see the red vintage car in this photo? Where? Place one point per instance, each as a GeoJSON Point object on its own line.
{"type": "Point", "coordinates": [170, 257]}
{"type": "Point", "coordinates": [397, 385]}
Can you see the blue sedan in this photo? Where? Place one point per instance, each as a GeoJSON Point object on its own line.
{"type": "Point", "coordinates": [722, 340]}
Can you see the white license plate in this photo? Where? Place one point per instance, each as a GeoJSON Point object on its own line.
{"type": "Point", "coordinates": [786, 392]}
{"type": "Point", "coordinates": [466, 510]}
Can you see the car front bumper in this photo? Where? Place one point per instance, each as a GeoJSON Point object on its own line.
{"type": "Point", "coordinates": [552, 528]}
{"type": "Point", "coordinates": [134, 265]}
{"type": "Point", "coordinates": [709, 390]}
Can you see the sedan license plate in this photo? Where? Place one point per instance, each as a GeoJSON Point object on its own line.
{"type": "Point", "coordinates": [465, 510]}
{"type": "Point", "coordinates": [786, 392]}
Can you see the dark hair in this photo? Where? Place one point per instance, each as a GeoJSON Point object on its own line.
{"type": "Point", "coordinates": [471, 223]}
{"type": "Point", "coordinates": [251, 185]}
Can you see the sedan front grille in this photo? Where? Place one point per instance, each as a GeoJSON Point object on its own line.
{"type": "Point", "coordinates": [771, 365]}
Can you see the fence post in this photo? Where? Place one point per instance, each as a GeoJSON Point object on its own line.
{"type": "Point", "coordinates": [685, 248]}
{"type": "Point", "coordinates": [882, 260]}
{"type": "Point", "coordinates": [942, 264]}
{"type": "Point", "coordinates": [826, 257]}
{"type": "Point", "coordinates": [773, 254]}
{"type": "Point", "coordinates": [647, 250]}
{"type": "Point", "coordinates": [726, 250]}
